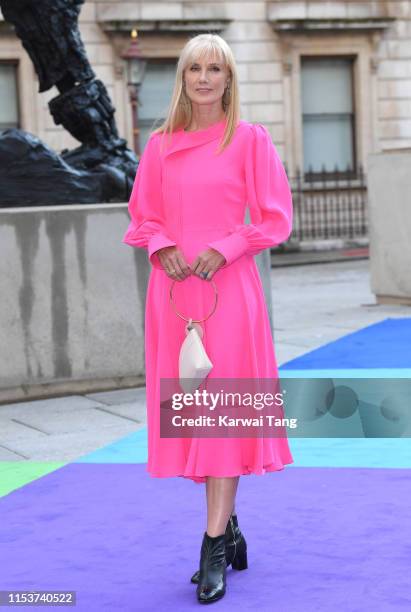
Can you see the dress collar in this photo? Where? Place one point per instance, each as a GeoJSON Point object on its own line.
{"type": "Point", "coordinates": [184, 140]}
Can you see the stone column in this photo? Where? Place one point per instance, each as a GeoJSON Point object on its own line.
{"type": "Point", "coordinates": [389, 189]}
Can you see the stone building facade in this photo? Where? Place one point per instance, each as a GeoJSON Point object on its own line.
{"type": "Point", "coordinates": [330, 80]}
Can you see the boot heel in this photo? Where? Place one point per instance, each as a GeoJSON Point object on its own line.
{"type": "Point", "coordinates": [240, 560]}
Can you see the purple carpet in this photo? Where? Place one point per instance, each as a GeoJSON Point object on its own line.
{"type": "Point", "coordinates": [319, 539]}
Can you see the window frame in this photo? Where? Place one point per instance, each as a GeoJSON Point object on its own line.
{"type": "Point", "coordinates": [154, 60]}
{"type": "Point", "coordinates": [16, 63]}
{"type": "Point", "coordinates": [365, 76]}
{"type": "Point", "coordinates": [331, 174]}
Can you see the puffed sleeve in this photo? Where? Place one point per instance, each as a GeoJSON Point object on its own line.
{"type": "Point", "coordinates": [146, 228]}
{"type": "Point", "coordinates": [269, 200]}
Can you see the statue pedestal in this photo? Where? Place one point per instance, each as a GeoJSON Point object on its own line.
{"type": "Point", "coordinates": [389, 189]}
{"type": "Point", "coordinates": [73, 300]}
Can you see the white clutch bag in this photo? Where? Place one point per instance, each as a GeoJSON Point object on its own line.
{"type": "Point", "coordinates": [194, 364]}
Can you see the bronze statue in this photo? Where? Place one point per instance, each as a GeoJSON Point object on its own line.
{"type": "Point", "coordinates": [49, 32]}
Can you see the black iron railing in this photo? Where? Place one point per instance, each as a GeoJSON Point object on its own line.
{"type": "Point", "coordinates": [329, 205]}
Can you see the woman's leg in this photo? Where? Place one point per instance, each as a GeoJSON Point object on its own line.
{"type": "Point", "coordinates": [221, 494]}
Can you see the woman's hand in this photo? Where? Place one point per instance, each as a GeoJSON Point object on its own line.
{"type": "Point", "coordinates": [174, 263]}
{"type": "Point", "coordinates": [208, 261]}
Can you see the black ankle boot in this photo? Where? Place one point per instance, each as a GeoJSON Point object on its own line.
{"type": "Point", "coordinates": [235, 548]}
{"type": "Point", "coordinates": [212, 580]}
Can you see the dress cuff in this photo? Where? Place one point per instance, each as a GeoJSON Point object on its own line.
{"type": "Point", "coordinates": [231, 247]}
{"type": "Point", "coordinates": [157, 242]}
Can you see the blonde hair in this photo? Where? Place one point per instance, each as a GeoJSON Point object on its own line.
{"type": "Point", "coordinates": [180, 110]}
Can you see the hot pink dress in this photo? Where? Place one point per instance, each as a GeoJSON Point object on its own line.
{"type": "Point", "coordinates": [187, 195]}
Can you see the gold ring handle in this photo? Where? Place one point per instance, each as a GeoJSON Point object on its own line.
{"type": "Point", "coordinates": [195, 320]}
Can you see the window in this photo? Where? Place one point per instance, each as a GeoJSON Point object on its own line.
{"type": "Point", "coordinates": [9, 113]}
{"type": "Point", "coordinates": [155, 95]}
{"type": "Point", "coordinates": [328, 116]}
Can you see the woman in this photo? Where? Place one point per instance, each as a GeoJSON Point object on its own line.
{"type": "Point", "coordinates": [198, 172]}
